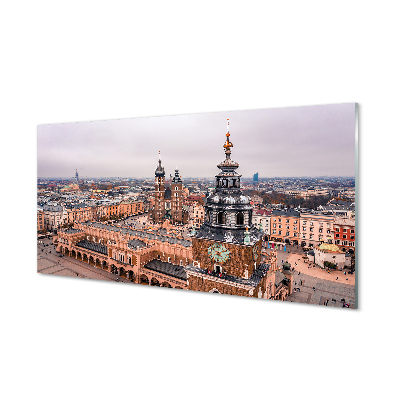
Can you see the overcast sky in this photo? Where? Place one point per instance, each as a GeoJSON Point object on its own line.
{"type": "Point", "coordinates": [279, 142]}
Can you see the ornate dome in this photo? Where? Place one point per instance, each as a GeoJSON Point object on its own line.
{"type": "Point", "coordinates": [228, 211]}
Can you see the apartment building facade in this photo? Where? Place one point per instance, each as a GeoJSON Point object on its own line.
{"type": "Point", "coordinates": [284, 226]}
{"type": "Point", "coordinates": [315, 229]}
{"type": "Point", "coordinates": [345, 234]}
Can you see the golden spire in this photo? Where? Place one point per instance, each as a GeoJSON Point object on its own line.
{"type": "Point", "coordinates": [228, 144]}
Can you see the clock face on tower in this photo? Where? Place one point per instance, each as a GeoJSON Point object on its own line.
{"type": "Point", "coordinates": [218, 253]}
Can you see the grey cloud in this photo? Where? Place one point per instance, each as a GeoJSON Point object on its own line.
{"type": "Point", "coordinates": [296, 141]}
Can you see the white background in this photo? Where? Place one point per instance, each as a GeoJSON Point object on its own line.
{"type": "Point", "coordinates": [85, 60]}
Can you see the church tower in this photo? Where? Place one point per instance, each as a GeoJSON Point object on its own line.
{"type": "Point", "coordinates": [176, 198]}
{"type": "Point", "coordinates": [76, 176]}
{"type": "Point", "coordinates": [227, 247]}
{"type": "Point", "coordinates": [159, 192]}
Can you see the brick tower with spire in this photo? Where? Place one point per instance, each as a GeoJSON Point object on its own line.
{"type": "Point", "coordinates": [168, 198]}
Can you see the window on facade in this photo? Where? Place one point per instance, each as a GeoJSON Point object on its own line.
{"type": "Point", "coordinates": [239, 218]}
{"type": "Point", "coordinates": [352, 231]}
{"type": "Point", "coordinates": [273, 231]}
{"type": "Point", "coordinates": [351, 237]}
{"type": "Point", "coordinates": [221, 218]}
{"type": "Point", "coordinates": [287, 221]}
{"type": "Point", "coordinates": [169, 259]}
{"type": "Point", "coordinates": [279, 232]}
{"type": "Point", "coordinates": [344, 230]}
{"type": "Point", "coordinates": [287, 233]}
{"type": "Point", "coordinates": [344, 237]}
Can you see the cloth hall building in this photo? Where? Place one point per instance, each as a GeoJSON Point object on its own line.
{"type": "Point", "coordinates": [224, 256]}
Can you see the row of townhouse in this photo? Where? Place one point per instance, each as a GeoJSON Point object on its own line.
{"type": "Point", "coordinates": [54, 216]}
{"type": "Point", "coordinates": [306, 229]}
{"type": "Point", "coordinates": [125, 208]}
{"type": "Point", "coordinates": [307, 193]}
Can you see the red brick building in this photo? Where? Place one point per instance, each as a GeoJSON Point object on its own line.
{"type": "Point", "coordinates": [168, 198]}
{"type": "Point", "coordinates": [345, 234]}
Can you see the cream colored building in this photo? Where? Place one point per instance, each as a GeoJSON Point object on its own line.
{"type": "Point", "coordinates": [315, 228]}
{"type": "Point", "coordinates": [331, 253]}
{"type": "Point", "coordinates": [196, 214]}
{"type": "Point", "coordinates": [54, 216]}
{"type": "Point", "coordinates": [262, 218]}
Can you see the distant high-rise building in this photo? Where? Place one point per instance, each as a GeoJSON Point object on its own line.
{"type": "Point", "coordinates": [255, 177]}
{"type": "Point", "coordinates": [76, 176]}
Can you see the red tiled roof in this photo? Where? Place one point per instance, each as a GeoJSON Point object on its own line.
{"type": "Point", "coordinates": [263, 212]}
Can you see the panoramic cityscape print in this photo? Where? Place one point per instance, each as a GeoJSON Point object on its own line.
{"type": "Point", "coordinates": [255, 203]}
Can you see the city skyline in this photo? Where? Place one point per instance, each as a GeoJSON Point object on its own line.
{"type": "Point", "coordinates": [307, 141]}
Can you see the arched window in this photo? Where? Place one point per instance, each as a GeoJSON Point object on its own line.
{"type": "Point", "coordinates": [239, 218]}
{"type": "Point", "coordinates": [221, 218]}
